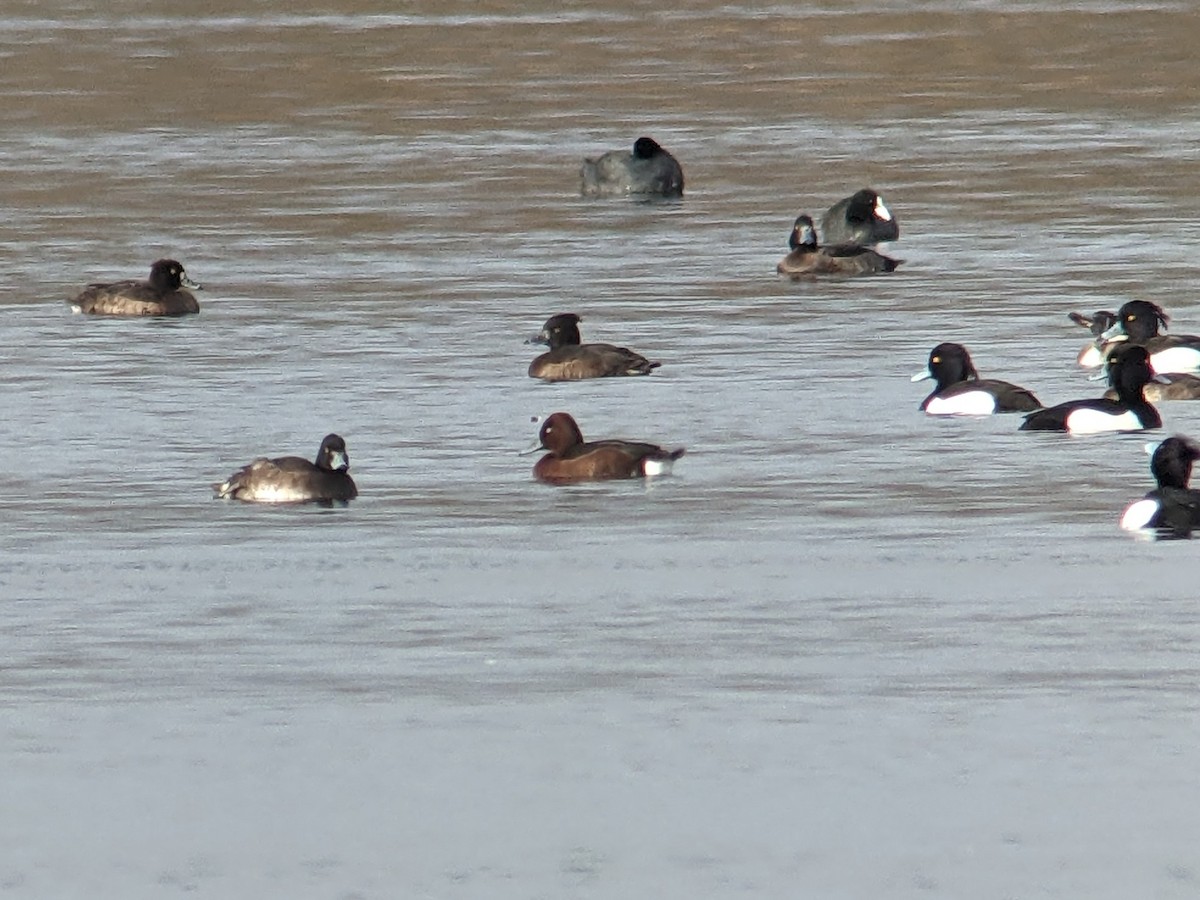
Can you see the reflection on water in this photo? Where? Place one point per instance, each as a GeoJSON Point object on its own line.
{"type": "Point", "coordinates": [840, 625]}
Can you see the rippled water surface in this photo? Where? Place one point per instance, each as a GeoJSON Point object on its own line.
{"type": "Point", "coordinates": [845, 652]}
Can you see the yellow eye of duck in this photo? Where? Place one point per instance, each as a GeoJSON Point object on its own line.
{"type": "Point", "coordinates": [936, 359]}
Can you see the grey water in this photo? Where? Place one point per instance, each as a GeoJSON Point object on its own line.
{"type": "Point", "coordinates": [845, 651]}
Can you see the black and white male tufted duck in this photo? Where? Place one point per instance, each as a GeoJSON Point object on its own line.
{"type": "Point", "coordinates": [961, 392]}
{"type": "Point", "coordinates": [1129, 372]}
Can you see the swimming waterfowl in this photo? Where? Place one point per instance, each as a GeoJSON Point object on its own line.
{"type": "Point", "coordinates": [862, 218]}
{"type": "Point", "coordinates": [1167, 388]}
{"type": "Point", "coordinates": [807, 258]}
{"type": "Point", "coordinates": [1173, 507]}
{"type": "Point", "coordinates": [1138, 322]}
{"type": "Point", "coordinates": [162, 294]}
{"type": "Point", "coordinates": [961, 392]}
{"type": "Point", "coordinates": [647, 170]}
{"type": "Point", "coordinates": [1128, 372]}
{"type": "Point", "coordinates": [570, 458]}
{"type": "Point", "coordinates": [1092, 355]}
{"type": "Point", "coordinates": [570, 360]}
{"type": "Point", "coordinates": [293, 479]}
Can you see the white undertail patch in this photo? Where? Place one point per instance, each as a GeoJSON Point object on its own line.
{"type": "Point", "coordinates": [656, 467]}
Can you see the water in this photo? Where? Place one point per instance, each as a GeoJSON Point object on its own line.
{"type": "Point", "coordinates": [847, 651]}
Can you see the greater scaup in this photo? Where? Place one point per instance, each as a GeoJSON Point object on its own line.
{"type": "Point", "coordinates": [1128, 372]}
{"type": "Point", "coordinates": [570, 459]}
{"type": "Point", "coordinates": [161, 295]}
{"type": "Point", "coordinates": [648, 170]}
{"type": "Point", "coordinates": [807, 258]}
{"type": "Point", "coordinates": [961, 392]}
{"type": "Point", "coordinates": [1172, 508]}
{"type": "Point", "coordinates": [293, 479]}
{"type": "Point", "coordinates": [861, 218]}
{"type": "Point", "coordinates": [570, 360]}
{"type": "Point", "coordinates": [1138, 322]}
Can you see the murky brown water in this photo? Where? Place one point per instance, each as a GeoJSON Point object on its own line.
{"type": "Point", "coordinates": [842, 633]}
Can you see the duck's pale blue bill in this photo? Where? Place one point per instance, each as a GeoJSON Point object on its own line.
{"type": "Point", "coordinates": [188, 283]}
{"type": "Point", "coordinates": [1151, 446]}
{"type": "Point", "coordinates": [1114, 333]}
{"type": "Point", "coordinates": [923, 375]}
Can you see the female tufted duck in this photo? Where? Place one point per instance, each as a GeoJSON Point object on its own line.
{"type": "Point", "coordinates": [161, 295]}
{"type": "Point", "coordinates": [1128, 372]}
{"type": "Point", "coordinates": [570, 459]}
{"type": "Point", "coordinates": [961, 392]}
{"type": "Point", "coordinates": [569, 360]}
{"type": "Point", "coordinates": [1138, 322]}
{"type": "Point", "coordinates": [292, 479]}
{"type": "Point", "coordinates": [861, 218]}
{"type": "Point", "coordinates": [1172, 508]}
{"type": "Point", "coordinates": [807, 258]}
{"type": "Point", "coordinates": [648, 170]}
{"type": "Point", "coordinates": [1165, 388]}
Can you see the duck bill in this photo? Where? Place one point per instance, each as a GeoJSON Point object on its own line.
{"type": "Point", "coordinates": [531, 449]}
{"type": "Point", "coordinates": [923, 375]}
{"type": "Point", "coordinates": [540, 338]}
{"type": "Point", "coordinates": [188, 283]}
{"type": "Point", "coordinates": [1115, 333]}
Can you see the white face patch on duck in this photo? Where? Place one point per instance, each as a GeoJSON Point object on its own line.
{"type": "Point", "coordinates": [881, 210]}
{"type": "Point", "coordinates": [968, 403]}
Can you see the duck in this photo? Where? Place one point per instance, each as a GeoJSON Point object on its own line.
{"type": "Point", "coordinates": [1169, 387]}
{"type": "Point", "coordinates": [648, 170]}
{"type": "Point", "coordinates": [1092, 355]}
{"type": "Point", "coordinates": [807, 258]}
{"type": "Point", "coordinates": [570, 360]}
{"type": "Point", "coordinates": [961, 392]}
{"type": "Point", "coordinates": [1129, 372]}
{"type": "Point", "coordinates": [162, 294]}
{"type": "Point", "coordinates": [1138, 322]}
{"type": "Point", "coordinates": [862, 218]}
{"type": "Point", "coordinates": [293, 479]}
{"type": "Point", "coordinates": [1173, 508]}
{"type": "Point", "coordinates": [570, 459]}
